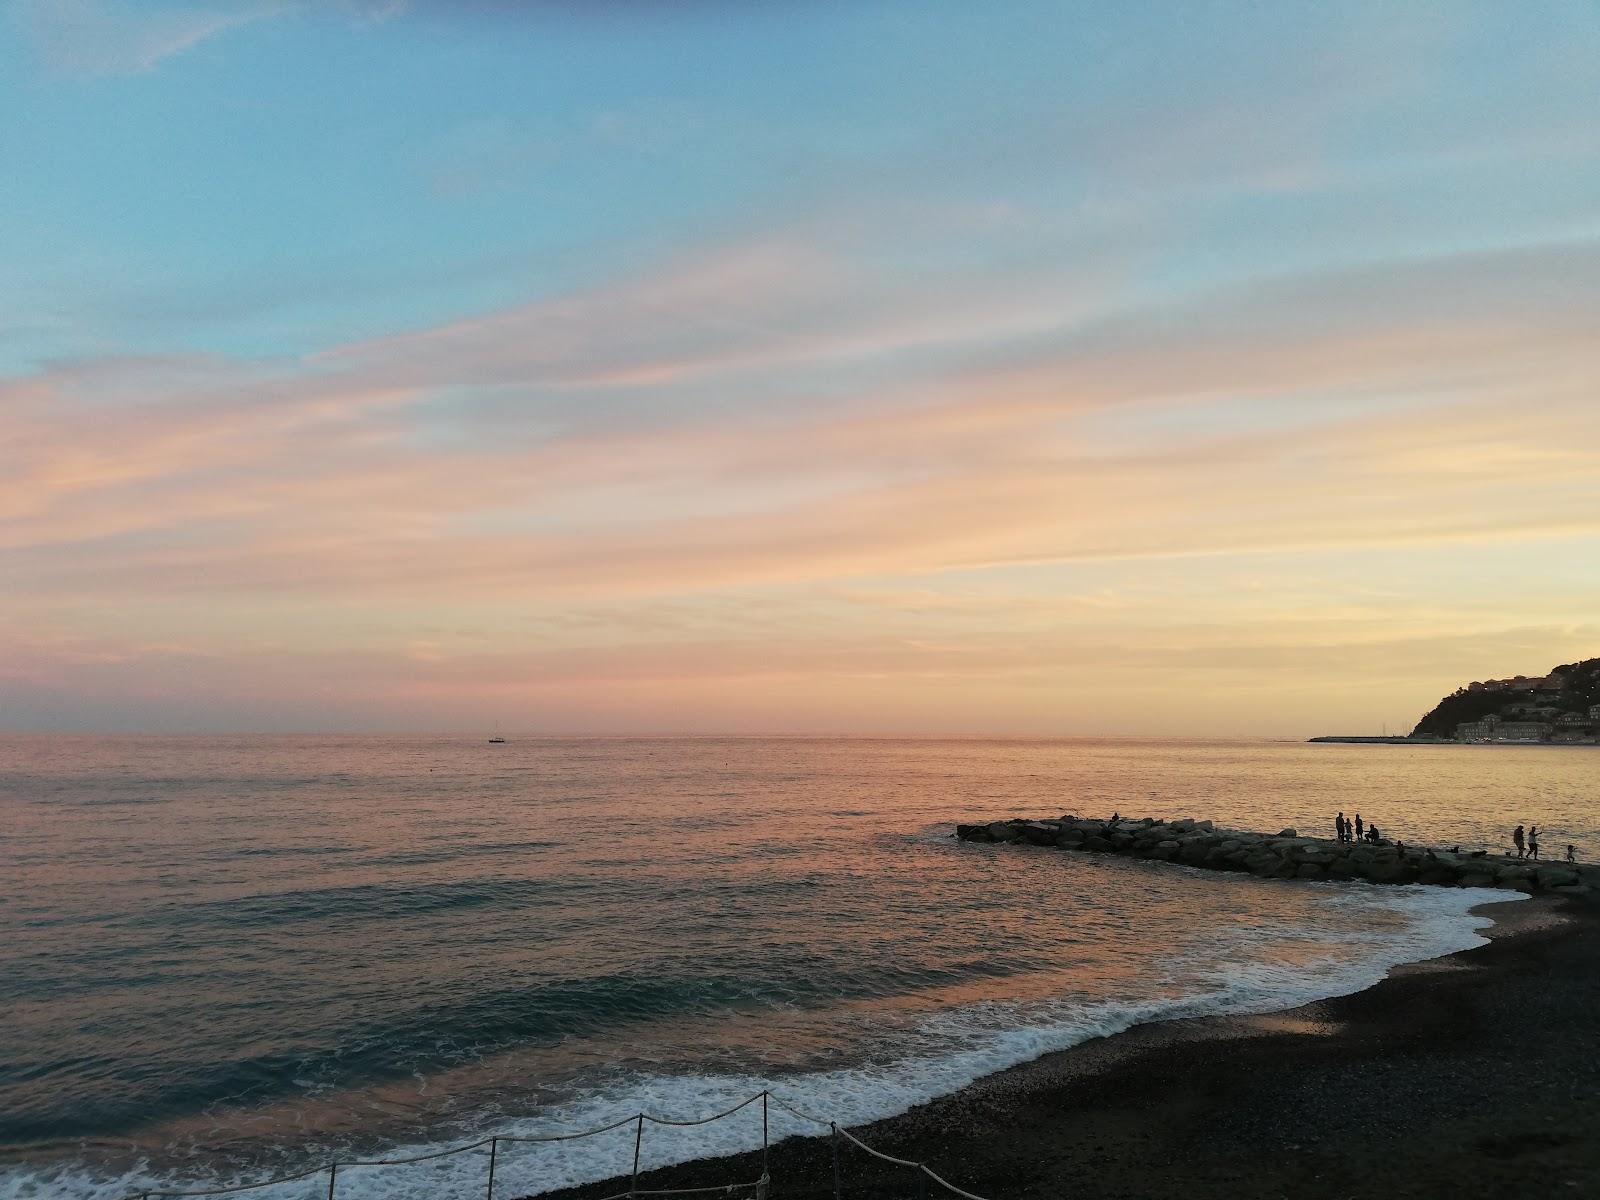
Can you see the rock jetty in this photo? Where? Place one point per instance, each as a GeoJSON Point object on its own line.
{"type": "Point", "coordinates": [1287, 855]}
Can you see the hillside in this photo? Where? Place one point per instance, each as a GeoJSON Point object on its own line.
{"type": "Point", "coordinates": [1568, 691]}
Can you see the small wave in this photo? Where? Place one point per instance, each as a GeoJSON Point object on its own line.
{"type": "Point", "coordinates": [361, 902]}
{"type": "Point", "coordinates": [233, 852]}
{"type": "Point", "coordinates": [469, 850]}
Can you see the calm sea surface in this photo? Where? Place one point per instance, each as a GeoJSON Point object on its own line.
{"type": "Point", "coordinates": [224, 958]}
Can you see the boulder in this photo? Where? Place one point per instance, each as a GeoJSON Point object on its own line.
{"type": "Point", "coordinates": [1001, 831]}
{"type": "Point", "coordinates": [1037, 833]}
{"type": "Point", "coordinates": [973, 833]}
{"type": "Point", "coordinates": [1167, 850]}
{"type": "Point", "coordinates": [1553, 877]}
{"type": "Point", "coordinates": [1316, 856]}
{"type": "Point", "coordinates": [1310, 871]}
{"type": "Point", "coordinates": [1193, 851]}
{"type": "Point", "coordinates": [1477, 879]}
{"type": "Point", "coordinates": [1291, 831]}
{"type": "Point", "coordinates": [1391, 871]}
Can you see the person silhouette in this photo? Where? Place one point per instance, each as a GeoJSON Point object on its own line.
{"type": "Point", "coordinates": [1339, 829]}
{"type": "Point", "coordinates": [1516, 839]}
{"type": "Point", "coordinates": [1533, 842]}
{"type": "Point", "coordinates": [1572, 852]}
{"type": "Point", "coordinates": [1358, 827]}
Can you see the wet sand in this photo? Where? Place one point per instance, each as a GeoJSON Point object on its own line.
{"type": "Point", "coordinates": [1475, 1075]}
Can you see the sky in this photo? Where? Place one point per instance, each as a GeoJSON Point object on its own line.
{"type": "Point", "coordinates": [802, 366]}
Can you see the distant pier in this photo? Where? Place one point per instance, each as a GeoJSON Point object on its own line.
{"type": "Point", "coordinates": [1375, 740]}
{"type": "Point", "coordinates": [1287, 855]}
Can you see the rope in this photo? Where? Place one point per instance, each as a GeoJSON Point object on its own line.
{"type": "Point", "coordinates": [888, 1158]}
{"type": "Point", "coordinates": [570, 1137]}
{"type": "Point", "coordinates": [638, 1119]}
{"type": "Point", "coordinates": [401, 1162]}
{"type": "Point", "coordinates": [906, 1162]}
{"type": "Point", "coordinates": [789, 1108]}
{"type": "Point", "coordinates": [727, 1189]}
{"type": "Point", "coordinates": [947, 1185]}
{"type": "Point", "coordinates": [704, 1120]}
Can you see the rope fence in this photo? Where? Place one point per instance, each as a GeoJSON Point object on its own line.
{"type": "Point", "coordinates": [759, 1187]}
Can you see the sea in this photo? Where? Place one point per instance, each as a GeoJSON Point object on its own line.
{"type": "Point", "coordinates": [224, 959]}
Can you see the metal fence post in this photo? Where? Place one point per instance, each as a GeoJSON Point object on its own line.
{"type": "Point", "coordinates": [333, 1175]}
{"type": "Point", "coordinates": [837, 1192]}
{"type": "Point", "coordinates": [922, 1183]}
{"type": "Point", "coordinates": [764, 1133]}
{"type": "Point", "coordinates": [494, 1145]}
{"type": "Point", "coordinates": [638, 1137]}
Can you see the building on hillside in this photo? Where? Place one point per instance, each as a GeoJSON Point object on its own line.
{"type": "Point", "coordinates": [1493, 729]}
{"type": "Point", "coordinates": [1568, 720]}
{"type": "Point", "coordinates": [1519, 683]}
{"type": "Point", "coordinates": [1594, 712]}
{"type": "Point", "coordinates": [1524, 731]}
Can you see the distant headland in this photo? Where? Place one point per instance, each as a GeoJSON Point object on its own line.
{"type": "Point", "coordinates": [1562, 707]}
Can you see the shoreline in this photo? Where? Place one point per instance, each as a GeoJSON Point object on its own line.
{"type": "Point", "coordinates": [1476, 1073]}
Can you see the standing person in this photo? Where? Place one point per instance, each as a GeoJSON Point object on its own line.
{"type": "Point", "coordinates": [1358, 827]}
{"type": "Point", "coordinates": [1516, 838]}
{"type": "Point", "coordinates": [1338, 827]}
{"type": "Point", "coordinates": [1533, 842]}
{"type": "Point", "coordinates": [1572, 852]}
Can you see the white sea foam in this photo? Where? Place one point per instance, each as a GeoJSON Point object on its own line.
{"type": "Point", "coordinates": [958, 1046]}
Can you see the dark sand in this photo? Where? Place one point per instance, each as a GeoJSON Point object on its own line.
{"type": "Point", "coordinates": [1476, 1075]}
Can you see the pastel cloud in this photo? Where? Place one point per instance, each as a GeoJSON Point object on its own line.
{"type": "Point", "coordinates": [258, 493]}
{"type": "Point", "coordinates": [119, 37]}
